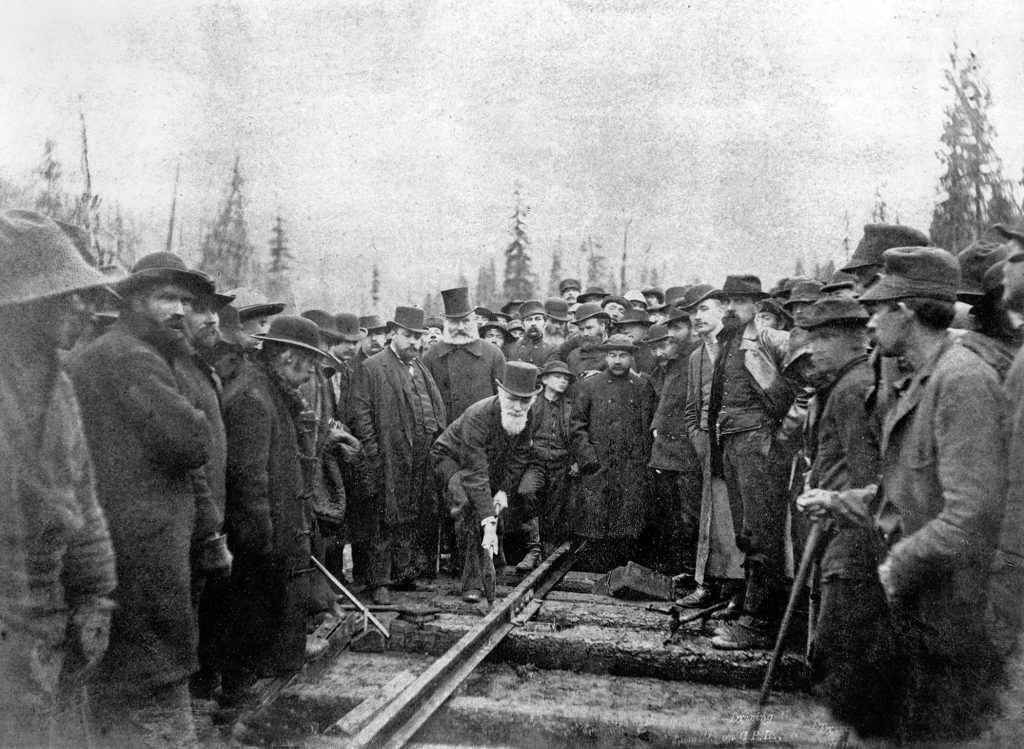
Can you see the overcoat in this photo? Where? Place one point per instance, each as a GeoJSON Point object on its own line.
{"type": "Point", "coordinates": [672, 449]}
{"type": "Point", "coordinates": [464, 374]}
{"type": "Point", "coordinates": [146, 439]}
{"type": "Point", "coordinates": [615, 412]}
{"type": "Point", "coordinates": [532, 352]}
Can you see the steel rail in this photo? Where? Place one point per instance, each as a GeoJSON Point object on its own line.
{"type": "Point", "coordinates": [397, 722]}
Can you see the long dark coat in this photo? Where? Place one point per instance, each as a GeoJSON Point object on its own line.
{"type": "Point", "coordinates": [266, 523]}
{"type": "Point", "coordinates": [464, 374]}
{"type": "Point", "coordinates": [616, 414]}
{"type": "Point", "coordinates": [146, 438]}
{"type": "Point", "coordinates": [672, 449]}
{"type": "Point", "coordinates": [383, 421]}
{"type": "Point", "coordinates": [532, 352]}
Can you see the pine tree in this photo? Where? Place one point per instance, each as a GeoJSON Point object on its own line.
{"type": "Point", "coordinates": [597, 271]}
{"type": "Point", "coordinates": [227, 255]}
{"type": "Point", "coordinates": [278, 277]}
{"type": "Point", "coordinates": [518, 274]}
{"type": "Point", "coordinates": [556, 273]}
{"type": "Point", "coordinates": [51, 200]}
{"type": "Point", "coordinates": [973, 191]}
{"type": "Point", "coordinates": [487, 285]}
{"type": "Point", "coordinates": [375, 287]}
{"type": "Point", "coordinates": [798, 267]}
{"type": "Point", "coordinates": [652, 278]}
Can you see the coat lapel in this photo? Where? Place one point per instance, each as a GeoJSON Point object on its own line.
{"type": "Point", "coordinates": [910, 399]}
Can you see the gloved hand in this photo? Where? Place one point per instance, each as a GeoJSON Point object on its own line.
{"type": "Point", "coordinates": [92, 626]}
{"type": "Point", "coordinates": [490, 542]}
{"type": "Point", "coordinates": [214, 557]}
{"type": "Point", "coordinates": [500, 502]}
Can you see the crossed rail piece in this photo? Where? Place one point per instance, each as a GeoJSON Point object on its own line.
{"type": "Point", "coordinates": [399, 719]}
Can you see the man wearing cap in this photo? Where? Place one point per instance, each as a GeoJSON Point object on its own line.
{"type": "Point", "coordinates": [56, 559]}
{"type": "Point", "coordinates": [435, 332]}
{"type": "Point", "coordinates": [615, 307]}
{"type": "Point", "coordinates": [585, 355]}
{"type": "Point", "coordinates": [480, 460]}
{"type": "Point", "coordinates": [748, 400]}
{"type": "Point", "coordinates": [614, 409]}
{"type": "Point", "coordinates": [398, 412]}
{"type": "Point", "coordinates": [944, 473]}
{"type": "Point", "coordinates": [636, 300]}
{"type": "Point", "coordinates": [866, 261]}
{"type": "Point", "coordinates": [677, 473]}
{"type": "Point", "coordinates": [147, 439]}
{"type": "Point", "coordinates": [569, 289]}
{"type": "Point", "coordinates": [533, 348]}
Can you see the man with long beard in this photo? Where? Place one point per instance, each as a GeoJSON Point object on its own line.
{"type": "Point", "coordinates": [748, 400]}
{"type": "Point", "coordinates": [480, 459]}
{"type": "Point", "coordinates": [464, 367]}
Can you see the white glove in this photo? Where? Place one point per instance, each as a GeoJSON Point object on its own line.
{"type": "Point", "coordinates": [500, 502]}
{"type": "Point", "coordinates": [490, 542]}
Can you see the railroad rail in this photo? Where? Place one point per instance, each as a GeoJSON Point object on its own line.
{"type": "Point", "coordinates": [394, 717]}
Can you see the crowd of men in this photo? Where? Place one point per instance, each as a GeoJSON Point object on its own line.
{"type": "Point", "coordinates": [174, 454]}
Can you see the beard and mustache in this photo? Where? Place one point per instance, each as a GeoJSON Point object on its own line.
{"type": "Point", "coordinates": [513, 415]}
{"type": "Point", "coordinates": [460, 336]}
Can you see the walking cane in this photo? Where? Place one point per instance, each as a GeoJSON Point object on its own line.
{"type": "Point", "coordinates": [813, 538]}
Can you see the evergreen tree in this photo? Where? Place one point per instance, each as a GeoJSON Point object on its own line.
{"type": "Point", "coordinates": [556, 273]}
{"type": "Point", "coordinates": [278, 277]}
{"type": "Point", "coordinates": [227, 254]}
{"type": "Point", "coordinates": [518, 274]}
{"type": "Point", "coordinates": [653, 279]}
{"type": "Point", "coordinates": [487, 285]}
{"type": "Point", "coordinates": [798, 267]}
{"type": "Point", "coordinates": [973, 191]}
{"type": "Point", "coordinates": [597, 263]}
{"type": "Point", "coordinates": [51, 200]}
{"type": "Point", "coordinates": [375, 287]}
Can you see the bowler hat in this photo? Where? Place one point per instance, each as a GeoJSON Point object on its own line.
{"type": "Point", "coordinates": [531, 307]}
{"type": "Point", "coordinates": [614, 299]}
{"type": "Point", "coordinates": [656, 334]}
{"type": "Point", "coordinates": [804, 292]}
{"type": "Point", "coordinates": [252, 303]}
{"type": "Point", "coordinates": [410, 318]}
{"type": "Point", "coordinates": [299, 332]}
{"type": "Point", "coordinates": [975, 260]}
{"type": "Point", "coordinates": [831, 310]}
{"type": "Point", "coordinates": [456, 302]}
{"type": "Point", "coordinates": [556, 366]}
{"type": "Point", "coordinates": [557, 309]}
{"type": "Point", "coordinates": [592, 294]}
{"type": "Point", "coordinates": [164, 267]}
{"type": "Point", "coordinates": [695, 295]}
{"type": "Point", "coordinates": [520, 379]}
{"type": "Point", "coordinates": [372, 323]}
{"type": "Point", "coordinates": [881, 237]}
{"type": "Point", "coordinates": [676, 313]}
{"type": "Point", "coordinates": [747, 286]}
{"type": "Point", "coordinates": [619, 342]}
{"type": "Point", "coordinates": [927, 272]}
{"type": "Point", "coordinates": [348, 327]}
{"type": "Point", "coordinates": [634, 317]}
{"type": "Point", "coordinates": [569, 283]}
{"type": "Point", "coordinates": [497, 325]}
{"type": "Point", "coordinates": [588, 310]}
{"type": "Point", "coordinates": [675, 294]}
{"type": "Point", "coordinates": [39, 260]}
{"type": "Point", "coordinates": [326, 323]}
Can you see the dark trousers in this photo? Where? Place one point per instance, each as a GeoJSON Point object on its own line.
{"type": "Point", "coordinates": [393, 554]}
{"type": "Point", "coordinates": [756, 476]}
{"type": "Point", "coordinates": [669, 542]}
{"type": "Point", "coordinates": [553, 490]}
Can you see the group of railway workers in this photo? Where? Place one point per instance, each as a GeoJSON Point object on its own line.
{"type": "Point", "coordinates": [173, 455]}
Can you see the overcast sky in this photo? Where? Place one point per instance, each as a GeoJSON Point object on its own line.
{"type": "Point", "coordinates": [735, 135]}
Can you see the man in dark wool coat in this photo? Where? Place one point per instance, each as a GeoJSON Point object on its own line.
{"type": "Point", "coordinates": [614, 408]}
{"type": "Point", "coordinates": [265, 519]}
{"type": "Point", "coordinates": [397, 414]}
{"type": "Point", "coordinates": [147, 439]}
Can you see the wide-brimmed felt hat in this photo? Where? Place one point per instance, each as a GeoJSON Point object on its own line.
{"type": "Point", "coordinates": [696, 294]}
{"type": "Point", "coordinates": [485, 313]}
{"type": "Point", "coordinates": [456, 302]}
{"type": "Point", "coordinates": [40, 261]}
{"type": "Point", "coordinates": [839, 281]}
{"type": "Point", "coordinates": [656, 334]}
{"type": "Point", "coordinates": [511, 307]}
{"type": "Point", "coordinates": [348, 327]}
{"type": "Point", "coordinates": [520, 379]}
{"type": "Point", "coordinates": [748, 286]}
{"type": "Point", "coordinates": [557, 309]}
{"type": "Point", "coordinates": [409, 318]}
{"type": "Point", "coordinates": [569, 283]}
{"type": "Point", "coordinates": [774, 306]}
{"type": "Point", "coordinates": [615, 299]}
{"type": "Point", "coordinates": [81, 240]}
{"type": "Point", "coordinates": [634, 317]}
{"type": "Point", "coordinates": [832, 311]}
{"type": "Point", "coordinates": [326, 323]}
{"type": "Point", "coordinates": [588, 310]}
{"type": "Point", "coordinates": [674, 295]}
{"type": "Point", "coordinates": [676, 313]}
{"type": "Point", "coordinates": [496, 325]}
{"type": "Point", "coordinates": [619, 342]}
{"type": "Point", "coordinates": [974, 261]}
{"type": "Point", "coordinates": [299, 332]}
{"type": "Point", "coordinates": [164, 267]}
{"type": "Point", "coordinates": [252, 303]}
{"type": "Point", "coordinates": [556, 366]}
{"type": "Point", "coordinates": [372, 323]}
{"type": "Point", "coordinates": [881, 237]}
{"type": "Point", "coordinates": [925, 272]}
{"type": "Point", "coordinates": [593, 293]}
{"type": "Point", "coordinates": [531, 307]}
{"type": "Point", "coordinates": [804, 292]}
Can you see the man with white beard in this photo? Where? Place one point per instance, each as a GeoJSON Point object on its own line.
{"type": "Point", "coordinates": [464, 367]}
{"type": "Point", "coordinates": [480, 459]}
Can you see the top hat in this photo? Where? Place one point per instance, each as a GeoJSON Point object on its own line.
{"type": "Point", "coordinates": [803, 292]}
{"type": "Point", "coordinates": [164, 267]}
{"type": "Point", "coordinates": [251, 303]}
{"type": "Point", "coordinates": [456, 302]}
{"type": "Point", "coordinates": [40, 261]}
{"type": "Point", "coordinates": [619, 342]}
{"type": "Point", "coordinates": [975, 260]}
{"type": "Point", "coordinates": [556, 366]}
{"type": "Point", "coordinates": [557, 309]}
{"type": "Point", "coordinates": [520, 379]}
{"type": "Point", "coordinates": [372, 324]}
{"type": "Point", "coordinates": [831, 310]}
{"type": "Point", "coordinates": [410, 318]}
{"type": "Point", "coordinates": [295, 331]}
{"type": "Point", "coordinates": [926, 272]}
{"type": "Point", "coordinates": [656, 334]}
{"type": "Point", "coordinates": [348, 327]}
{"type": "Point", "coordinates": [531, 307]}
{"type": "Point", "coordinates": [327, 324]}
{"type": "Point", "coordinates": [881, 237]}
{"type": "Point", "coordinates": [747, 286]}
{"type": "Point", "coordinates": [568, 283]}
{"type": "Point", "coordinates": [592, 294]}
{"type": "Point", "coordinates": [588, 310]}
